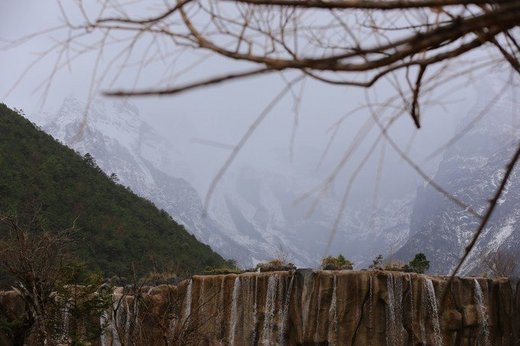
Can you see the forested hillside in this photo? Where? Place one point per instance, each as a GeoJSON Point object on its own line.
{"type": "Point", "coordinates": [117, 229]}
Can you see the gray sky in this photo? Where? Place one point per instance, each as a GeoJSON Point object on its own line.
{"type": "Point", "coordinates": [223, 113]}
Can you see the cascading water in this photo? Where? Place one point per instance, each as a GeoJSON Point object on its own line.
{"type": "Point", "coordinates": [108, 324]}
{"type": "Point", "coordinates": [128, 323]}
{"type": "Point", "coordinates": [365, 308]}
{"type": "Point", "coordinates": [424, 303]}
{"type": "Point", "coordinates": [255, 311]}
{"type": "Point", "coordinates": [333, 313]}
{"type": "Point", "coordinates": [432, 300]}
{"type": "Point", "coordinates": [285, 312]}
{"type": "Point", "coordinates": [65, 332]}
{"type": "Point", "coordinates": [222, 302]}
{"type": "Point", "coordinates": [202, 297]}
{"type": "Point", "coordinates": [234, 311]}
{"type": "Point", "coordinates": [370, 303]}
{"type": "Point", "coordinates": [391, 329]}
{"type": "Point", "coordinates": [394, 310]}
{"type": "Point", "coordinates": [269, 310]}
{"type": "Point", "coordinates": [187, 300]}
{"type": "Point", "coordinates": [103, 323]}
{"type": "Point", "coordinates": [317, 328]}
{"type": "Point", "coordinates": [410, 282]}
{"type": "Point", "coordinates": [306, 296]}
{"type": "Point", "coordinates": [117, 312]}
{"type": "Point", "coordinates": [222, 290]}
{"type": "Point", "coordinates": [483, 315]}
{"type": "Point", "coordinates": [398, 296]}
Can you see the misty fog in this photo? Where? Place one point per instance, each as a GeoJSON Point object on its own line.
{"type": "Point", "coordinates": [287, 153]}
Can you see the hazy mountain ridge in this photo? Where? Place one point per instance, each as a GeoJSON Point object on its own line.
{"type": "Point", "coordinates": [253, 215]}
{"type": "Point", "coordinates": [471, 169]}
{"type": "Point", "coordinates": [122, 143]}
{"type": "Point", "coordinates": [115, 227]}
{"type": "Point", "coordinates": [270, 218]}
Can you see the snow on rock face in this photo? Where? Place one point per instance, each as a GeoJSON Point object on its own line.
{"type": "Point", "coordinates": [253, 216]}
{"type": "Point", "coordinates": [122, 143]}
{"type": "Point", "coordinates": [471, 169]}
{"type": "Point", "coordinates": [258, 207]}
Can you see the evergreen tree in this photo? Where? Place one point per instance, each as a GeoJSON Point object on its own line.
{"type": "Point", "coordinates": [419, 264]}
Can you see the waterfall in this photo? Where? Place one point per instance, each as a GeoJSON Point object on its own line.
{"type": "Point", "coordinates": [255, 311]}
{"type": "Point", "coordinates": [269, 310]}
{"type": "Point", "coordinates": [222, 290]}
{"type": "Point", "coordinates": [370, 303]}
{"type": "Point", "coordinates": [234, 311]}
{"type": "Point", "coordinates": [432, 300]}
{"type": "Point", "coordinates": [369, 308]}
{"type": "Point", "coordinates": [127, 323]}
{"type": "Point", "coordinates": [66, 320]}
{"type": "Point", "coordinates": [221, 315]}
{"type": "Point", "coordinates": [394, 311]}
{"type": "Point", "coordinates": [316, 331]}
{"type": "Point", "coordinates": [116, 323]}
{"type": "Point", "coordinates": [187, 300]}
{"type": "Point", "coordinates": [390, 312]}
{"type": "Point", "coordinates": [65, 332]}
{"type": "Point", "coordinates": [103, 323]}
{"type": "Point", "coordinates": [222, 296]}
{"type": "Point", "coordinates": [108, 324]}
{"type": "Point", "coordinates": [201, 306]}
{"type": "Point", "coordinates": [285, 312]}
{"type": "Point", "coordinates": [333, 313]}
{"type": "Point", "coordinates": [410, 282]}
{"type": "Point", "coordinates": [412, 312]}
{"type": "Point", "coordinates": [398, 310]}
{"type": "Point", "coordinates": [307, 282]}
{"type": "Point", "coordinates": [423, 304]}
{"type": "Point", "coordinates": [483, 315]}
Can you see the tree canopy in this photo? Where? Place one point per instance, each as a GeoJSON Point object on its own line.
{"type": "Point", "coordinates": [115, 228]}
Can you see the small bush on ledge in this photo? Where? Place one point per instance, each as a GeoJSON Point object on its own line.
{"type": "Point", "coordinates": [274, 266]}
{"type": "Point", "coordinates": [221, 271]}
{"type": "Point", "coordinates": [336, 263]}
{"type": "Point", "coordinates": [396, 266]}
{"type": "Point", "coordinates": [231, 267]}
{"type": "Point", "coordinates": [418, 265]}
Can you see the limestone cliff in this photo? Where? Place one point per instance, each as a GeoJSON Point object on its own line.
{"type": "Point", "coordinates": [315, 308]}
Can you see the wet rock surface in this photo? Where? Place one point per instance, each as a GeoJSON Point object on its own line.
{"type": "Point", "coordinates": [313, 308]}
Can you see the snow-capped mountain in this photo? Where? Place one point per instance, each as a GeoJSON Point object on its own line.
{"type": "Point", "coordinates": [253, 216]}
{"type": "Point", "coordinates": [471, 170]}
{"type": "Point", "coordinates": [122, 143]}
{"type": "Point", "coordinates": [259, 208]}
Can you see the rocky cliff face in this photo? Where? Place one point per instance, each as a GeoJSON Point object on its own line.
{"type": "Point", "coordinates": [315, 308]}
